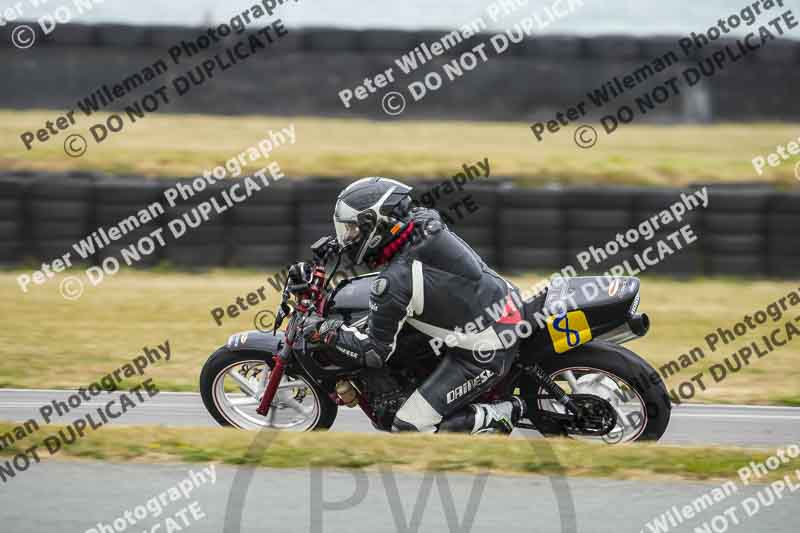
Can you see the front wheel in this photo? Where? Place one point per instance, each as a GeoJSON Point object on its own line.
{"type": "Point", "coordinates": [232, 383]}
{"type": "Point", "coordinates": [632, 387]}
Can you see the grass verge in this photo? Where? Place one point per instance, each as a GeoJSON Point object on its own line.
{"type": "Point", "coordinates": [635, 154]}
{"type": "Point", "coordinates": [451, 453]}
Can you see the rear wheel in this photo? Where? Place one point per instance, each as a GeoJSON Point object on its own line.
{"type": "Point", "coordinates": [626, 381]}
{"type": "Point", "coordinates": [232, 383]}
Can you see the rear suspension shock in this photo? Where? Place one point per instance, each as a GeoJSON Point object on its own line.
{"type": "Point", "coordinates": [551, 387]}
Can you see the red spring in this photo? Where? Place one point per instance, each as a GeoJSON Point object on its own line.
{"type": "Point", "coordinates": [272, 387]}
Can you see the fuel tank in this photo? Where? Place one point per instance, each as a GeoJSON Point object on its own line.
{"type": "Point", "coordinates": [350, 299]}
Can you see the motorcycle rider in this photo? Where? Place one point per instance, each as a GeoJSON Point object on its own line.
{"type": "Point", "coordinates": [432, 281]}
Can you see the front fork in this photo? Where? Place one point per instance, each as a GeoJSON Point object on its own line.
{"type": "Point", "coordinates": [276, 374]}
{"type": "Point", "coordinates": [315, 298]}
{"type": "Point", "coordinates": [275, 377]}
{"type": "Point", "coordinates": [280, 361]}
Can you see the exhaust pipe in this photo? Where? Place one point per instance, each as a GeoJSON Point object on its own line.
{"type": "Point", "coordinates": [637, 326]}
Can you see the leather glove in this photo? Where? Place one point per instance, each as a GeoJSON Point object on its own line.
{"type": "Point", "coordinates": [328, 331]}
{"type": "Point", "coordinates": [318, 330]}
{"type": "Point", "coordinates": [338, 355]}
{"type": "Point", "coordinates": [311, 327]}
{"type": "Point", "coordinates": [299, 275]}
{"type": "Point", "coordinates": [321, 333]}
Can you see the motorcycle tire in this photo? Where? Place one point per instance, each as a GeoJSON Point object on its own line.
{"type": "Point", "coordinates": [223, 359]}
{"type": "Point", "coordinates": [617, 361]}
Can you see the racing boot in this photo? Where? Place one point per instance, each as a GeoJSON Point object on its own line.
{"type": "Point", "coordinates": [498, 417]}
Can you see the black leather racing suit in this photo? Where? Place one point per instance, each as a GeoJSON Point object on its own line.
{"type": "Point", "coordinates": [437, 284]}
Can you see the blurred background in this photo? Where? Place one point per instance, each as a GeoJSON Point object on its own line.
{"type": "Point", "coordinates": [613, 16]}
{"type": "Point", "coordinates": [543, 202]}
{"type": "Point", "coordinates": [97, 121]}
{"type": "Point", "coordinates": [738, 111]}
{"type": "Point", "coordinates": [575, 46]}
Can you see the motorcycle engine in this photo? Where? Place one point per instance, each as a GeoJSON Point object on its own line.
{"type": "Point", "coordinates": [384, 393]}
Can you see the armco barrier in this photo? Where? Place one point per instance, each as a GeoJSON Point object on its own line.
{"type": "Point", "coordinates": [746, 232]}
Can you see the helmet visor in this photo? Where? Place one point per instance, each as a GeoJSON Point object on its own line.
{"type": "Point", "coordinates": [345, 223]}
{"type": "Point", "coordinates": [346, 232]}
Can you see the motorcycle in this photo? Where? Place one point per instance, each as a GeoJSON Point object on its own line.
{"type": "Point", "coordinates": [576, 378]}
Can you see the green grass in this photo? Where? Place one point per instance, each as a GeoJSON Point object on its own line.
{"type": "Point", "coordinates": [175, 145]}
{"type": "Point", "coordinates": [451, 453]}
{"type": "Point", "coordinates": [49, 342]}
{"type": "Point", "coordinates": [791, 401]}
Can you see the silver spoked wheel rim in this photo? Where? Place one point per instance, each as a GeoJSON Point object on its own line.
{"type": "Point", "coordinates": [627, 402]}
{"type": "Point", "coordinates": [238, 389]}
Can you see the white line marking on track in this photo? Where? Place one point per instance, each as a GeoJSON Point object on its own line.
{"type": "Point", "coordinates": [747, 416]}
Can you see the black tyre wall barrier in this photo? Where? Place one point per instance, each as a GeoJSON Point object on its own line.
{"type": "Point", "coordinates": [121, 200]}
{"type": "Point", "coordinates": [734, 237]}
{"type": "Point", "coordinates": [783, 237]}
{"type": "Point", "coordinates": [11, 221]}
{"type": "Point", "coordinates": [263, 230]}
{"type": "Point", "coordinates": [515, 229]}
{"type": "Point", "coordinates": [60, 215]}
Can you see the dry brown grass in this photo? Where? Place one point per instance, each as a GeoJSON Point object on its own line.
{"type": "Point", "coordinates": [450, 453]}
{"type": "Point", "coordinates": [172, 145]}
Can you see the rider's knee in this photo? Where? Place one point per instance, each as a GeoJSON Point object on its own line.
{"type": "Point", "coordinates": [417, 414]}
{"type": "Point", "coordinates": [400, 426]}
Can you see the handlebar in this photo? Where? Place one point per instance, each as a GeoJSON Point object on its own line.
{"type": "Point", "coordinates": [310, 293]}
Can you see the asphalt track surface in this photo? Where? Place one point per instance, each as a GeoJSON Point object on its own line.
{"type": "Point", "coordinates": [75, 497]}
{"type": "Point", "coordinates": [751, 426]}
{"type": "Point", "coordinates": [86, 497]}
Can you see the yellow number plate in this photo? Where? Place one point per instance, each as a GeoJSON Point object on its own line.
{"type": "Point", "coordinates": [568, 331]}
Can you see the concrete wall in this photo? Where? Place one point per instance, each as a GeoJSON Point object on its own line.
{"type": "Point", "coordinates": [305, 70]}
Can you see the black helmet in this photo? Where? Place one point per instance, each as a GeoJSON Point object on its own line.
{"type": "Point", "coordinates": [369, 214]}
